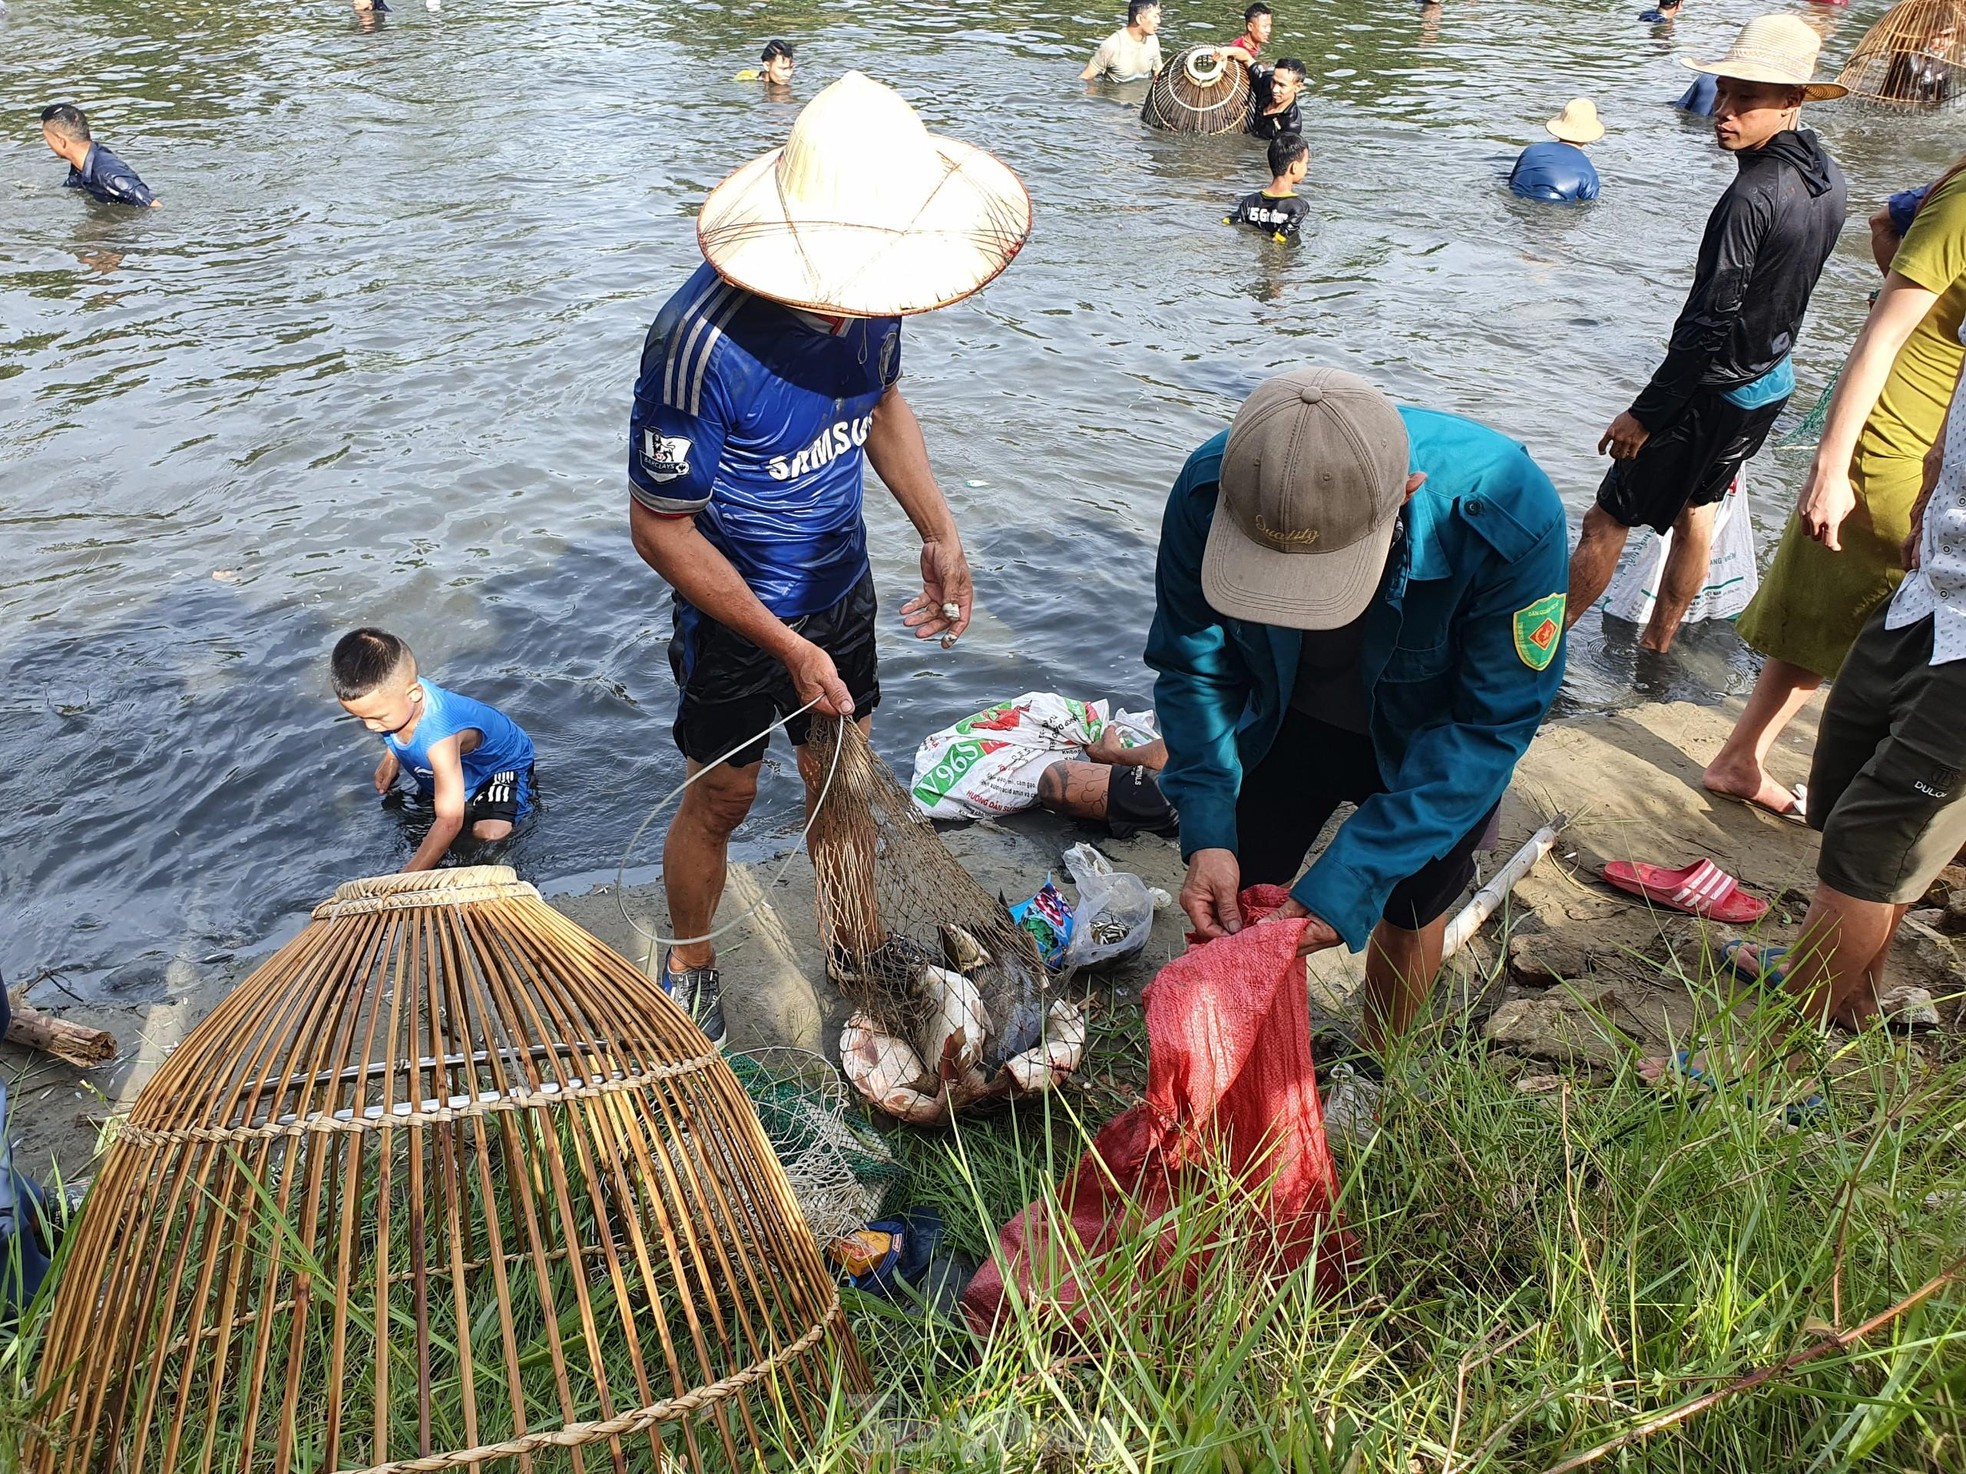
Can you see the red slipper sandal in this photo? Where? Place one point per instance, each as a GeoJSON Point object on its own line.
{"type": "Point", "coordinates": [1701, 889]}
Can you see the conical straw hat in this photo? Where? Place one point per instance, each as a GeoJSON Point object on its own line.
{"type": "Point", "coordinates": [864, 212]}
{"type": "Point", "coordinates": [1577, 123]}
{"type": "Point", "coordinates": [1781, 49]}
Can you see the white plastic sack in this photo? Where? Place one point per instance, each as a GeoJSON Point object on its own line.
{"type": "Point", "coordinates": [1114, 916]}
{"type": "Point", "coordinates": [1733, 573]}
{"type": "Point", "coordinates": [989, 764]}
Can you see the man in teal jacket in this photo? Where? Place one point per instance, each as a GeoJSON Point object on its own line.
{"type": "Point", "coordinates": [1355, 603]}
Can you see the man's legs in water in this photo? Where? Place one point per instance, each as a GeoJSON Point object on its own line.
{"type": "Point", "coordinates": [1684, 576]}
{"type": "Point", "coordinates": [1600, 543]}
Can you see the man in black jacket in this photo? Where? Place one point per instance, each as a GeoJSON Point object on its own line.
{"type": "Point", "coordinates": [1726, 373]}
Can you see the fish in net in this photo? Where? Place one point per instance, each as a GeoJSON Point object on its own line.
{"type": "Point", "coordinates": [1199, 91]}
{"type": "Point", "coordinates": [953, 1006]}
{"type": "Point", "coordinates": [1913, 58]}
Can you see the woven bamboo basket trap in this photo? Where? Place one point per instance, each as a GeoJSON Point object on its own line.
{"type": "Point", "coordinates": [1197, 92]}
{"type": "Point", "coordinates": [445, 1184]}
{"type": "Point", "coordinates": [1913, 57]}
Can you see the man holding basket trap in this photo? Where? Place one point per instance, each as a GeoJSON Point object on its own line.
{"type": "Point", "coordinates": [767, 384]}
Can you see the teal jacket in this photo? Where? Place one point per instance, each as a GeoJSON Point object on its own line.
{"type": "Point", "coordinates": [1463, 655]}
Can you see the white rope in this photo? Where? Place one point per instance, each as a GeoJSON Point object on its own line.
{"type": "Point", "coordinates": [656, 939]}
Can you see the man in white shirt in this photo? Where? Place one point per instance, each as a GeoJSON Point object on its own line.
{"type": "Point", "coordinates": [1890, 762]}
{"type": "Point", "coordinates": [1132, 53]}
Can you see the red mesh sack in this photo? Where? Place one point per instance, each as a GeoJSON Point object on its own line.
{"type": "Point", "coordinates": [1229, 1080]}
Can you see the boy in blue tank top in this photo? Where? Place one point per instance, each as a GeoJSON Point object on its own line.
{"type": "Point", "coordinates": [470, 762]}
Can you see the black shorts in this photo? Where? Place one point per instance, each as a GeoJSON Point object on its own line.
{"type": "Point", "coordinates": [1134, 802]}
{"type": "Point", "coordinates": [1688, 463]}
{"type": "Point", "coordinates": [1310, 769]}
{"type": "Point", "coordinates": [732, 690]}
{"type": "Point", "coordinates": [507, 796]}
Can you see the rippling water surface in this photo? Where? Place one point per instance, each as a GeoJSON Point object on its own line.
{"type": "Point", "coordinates": [371, 363]}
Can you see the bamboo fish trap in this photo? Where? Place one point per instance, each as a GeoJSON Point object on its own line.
{"type": "Point", "coordinates": [1198, 92]}
{"type": "Point", "coordinates": [444, 1184]}
{"type": "Point", "coordinates": [1911, 58]}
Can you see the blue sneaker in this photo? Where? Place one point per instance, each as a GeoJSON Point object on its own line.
{"type": "Point", "coordinates": [698, 992]}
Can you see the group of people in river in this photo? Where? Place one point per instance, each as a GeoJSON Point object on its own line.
{"type": "Point", "coordinates": [1355, 601]}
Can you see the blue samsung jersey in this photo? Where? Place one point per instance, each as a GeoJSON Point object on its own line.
{"type": "Point", "coordinates": [108, 179]}
{"type": "Point", "coordinates": [1555, 171]}
{"type": "Point", "coordinates": [753, 418]}
{"type": "Point", "coordinates": [503, 746]}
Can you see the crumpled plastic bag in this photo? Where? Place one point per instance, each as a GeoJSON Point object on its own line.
{"type": "Point", "coordinates": [1230, 1081]}
{"type": "Point", "coordinates": [1114, 916]}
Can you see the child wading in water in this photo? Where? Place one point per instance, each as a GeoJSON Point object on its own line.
{"type": "Point", "coordinates": [1277, 211]}
{"type": "Point", "coordinates": [472, 764]}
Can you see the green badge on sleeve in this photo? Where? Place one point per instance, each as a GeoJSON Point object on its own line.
{"type": "Point", "coordinates": [1538, 630]}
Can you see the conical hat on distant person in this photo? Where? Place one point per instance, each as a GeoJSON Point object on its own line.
{"type": "Point", "coordinates": [864, 212]}
{"type": "Point", "coordinates": [1577, 123]}
{"type": "Point", "coordinates": [1781, 49]}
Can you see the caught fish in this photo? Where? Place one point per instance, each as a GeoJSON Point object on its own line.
{"type": "Point", "coordinates": [889, 1073]}
{"type": "Point", "coordinates": [1063, 1047]}
{"type": "Point", "coordinates": [957, 1023]}
{"type": "Point", "coordinates": [1010, 976]}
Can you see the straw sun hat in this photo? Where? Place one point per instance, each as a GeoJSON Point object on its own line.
{"type": "Point", "coordinates": [1577, 123]}
{"type": "Point", "coordinates": [1781, 49]}
{"type": "Point", "coordinates": [864, 212]}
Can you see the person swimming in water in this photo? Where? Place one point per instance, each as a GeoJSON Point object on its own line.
{"type": "Point", "coordinates": [91, 167]}
{"type": "Point", "coordinates": [775, 66]}
{"type": "Point", "coordinates": [1132, 53]}
{"type": "Point", "coordinates": [1560, 171]}
{"type": "Point", "coordinates": [1276, 210]}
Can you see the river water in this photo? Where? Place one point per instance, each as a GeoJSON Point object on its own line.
{"type": "Point", "coordinates": [371, 364]}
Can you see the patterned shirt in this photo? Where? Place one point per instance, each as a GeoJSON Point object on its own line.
{"type": "Point", "coordinates": [1937, 586]}
{"type": "Point", "coordinates": [1278, 216]}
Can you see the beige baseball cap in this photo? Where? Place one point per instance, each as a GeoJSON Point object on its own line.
{"type": "Point", "coordinates": [1312, 481]}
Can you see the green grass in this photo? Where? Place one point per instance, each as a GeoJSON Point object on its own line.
{"type": "Point", "coordinates": [1540, 1275]}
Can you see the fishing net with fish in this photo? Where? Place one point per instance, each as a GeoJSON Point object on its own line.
{"type": "Point", "coordinates": [1199, 92]}
{"type": "Point", "coordinates": [1913, 57]}
{"type": "Point", "coordinates": [953, 1005]}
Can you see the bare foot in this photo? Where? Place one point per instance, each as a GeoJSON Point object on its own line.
{"type": "Point", "coordinates": [1749, 784]}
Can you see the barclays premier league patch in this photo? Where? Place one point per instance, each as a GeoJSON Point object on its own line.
{"type": "Point", "coordinates": [1539, 630]}
{"type": "Point", "coordinates": [664, 457]}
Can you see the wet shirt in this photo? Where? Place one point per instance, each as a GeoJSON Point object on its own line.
{"type": "Point", "coordinates": [1120, 58]}
{"type": "Point", "coordinates": [753, 418]}
{"type": "Point", "coordinates": [1764, 248]}
{"type": "Point", "coordinates": [1701, 96]}
{"type": "Point", "coordinates": [108, 179]}
{"type": "Point", "coordinates": [1559, 172]}
{"type": "Point", "coordinates": [503, 746]}
{"type": "Point", "coordinates": [1278, 216]}
{"type": "Point", "coordinates": [1263, 123]}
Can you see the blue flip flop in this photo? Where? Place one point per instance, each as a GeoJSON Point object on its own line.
{"type": "Point", "coordinates": [1768, 971]}
{"type": "Point", "coordinates": [1812, 1111]}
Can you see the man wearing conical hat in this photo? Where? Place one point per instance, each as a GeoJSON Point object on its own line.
{"type": "Point", "coordinates": [768, 383]}
{"type": "Point", "coordinates": [1726, 373]}
{"type": "Point", "coordinates": [1560, 171]}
